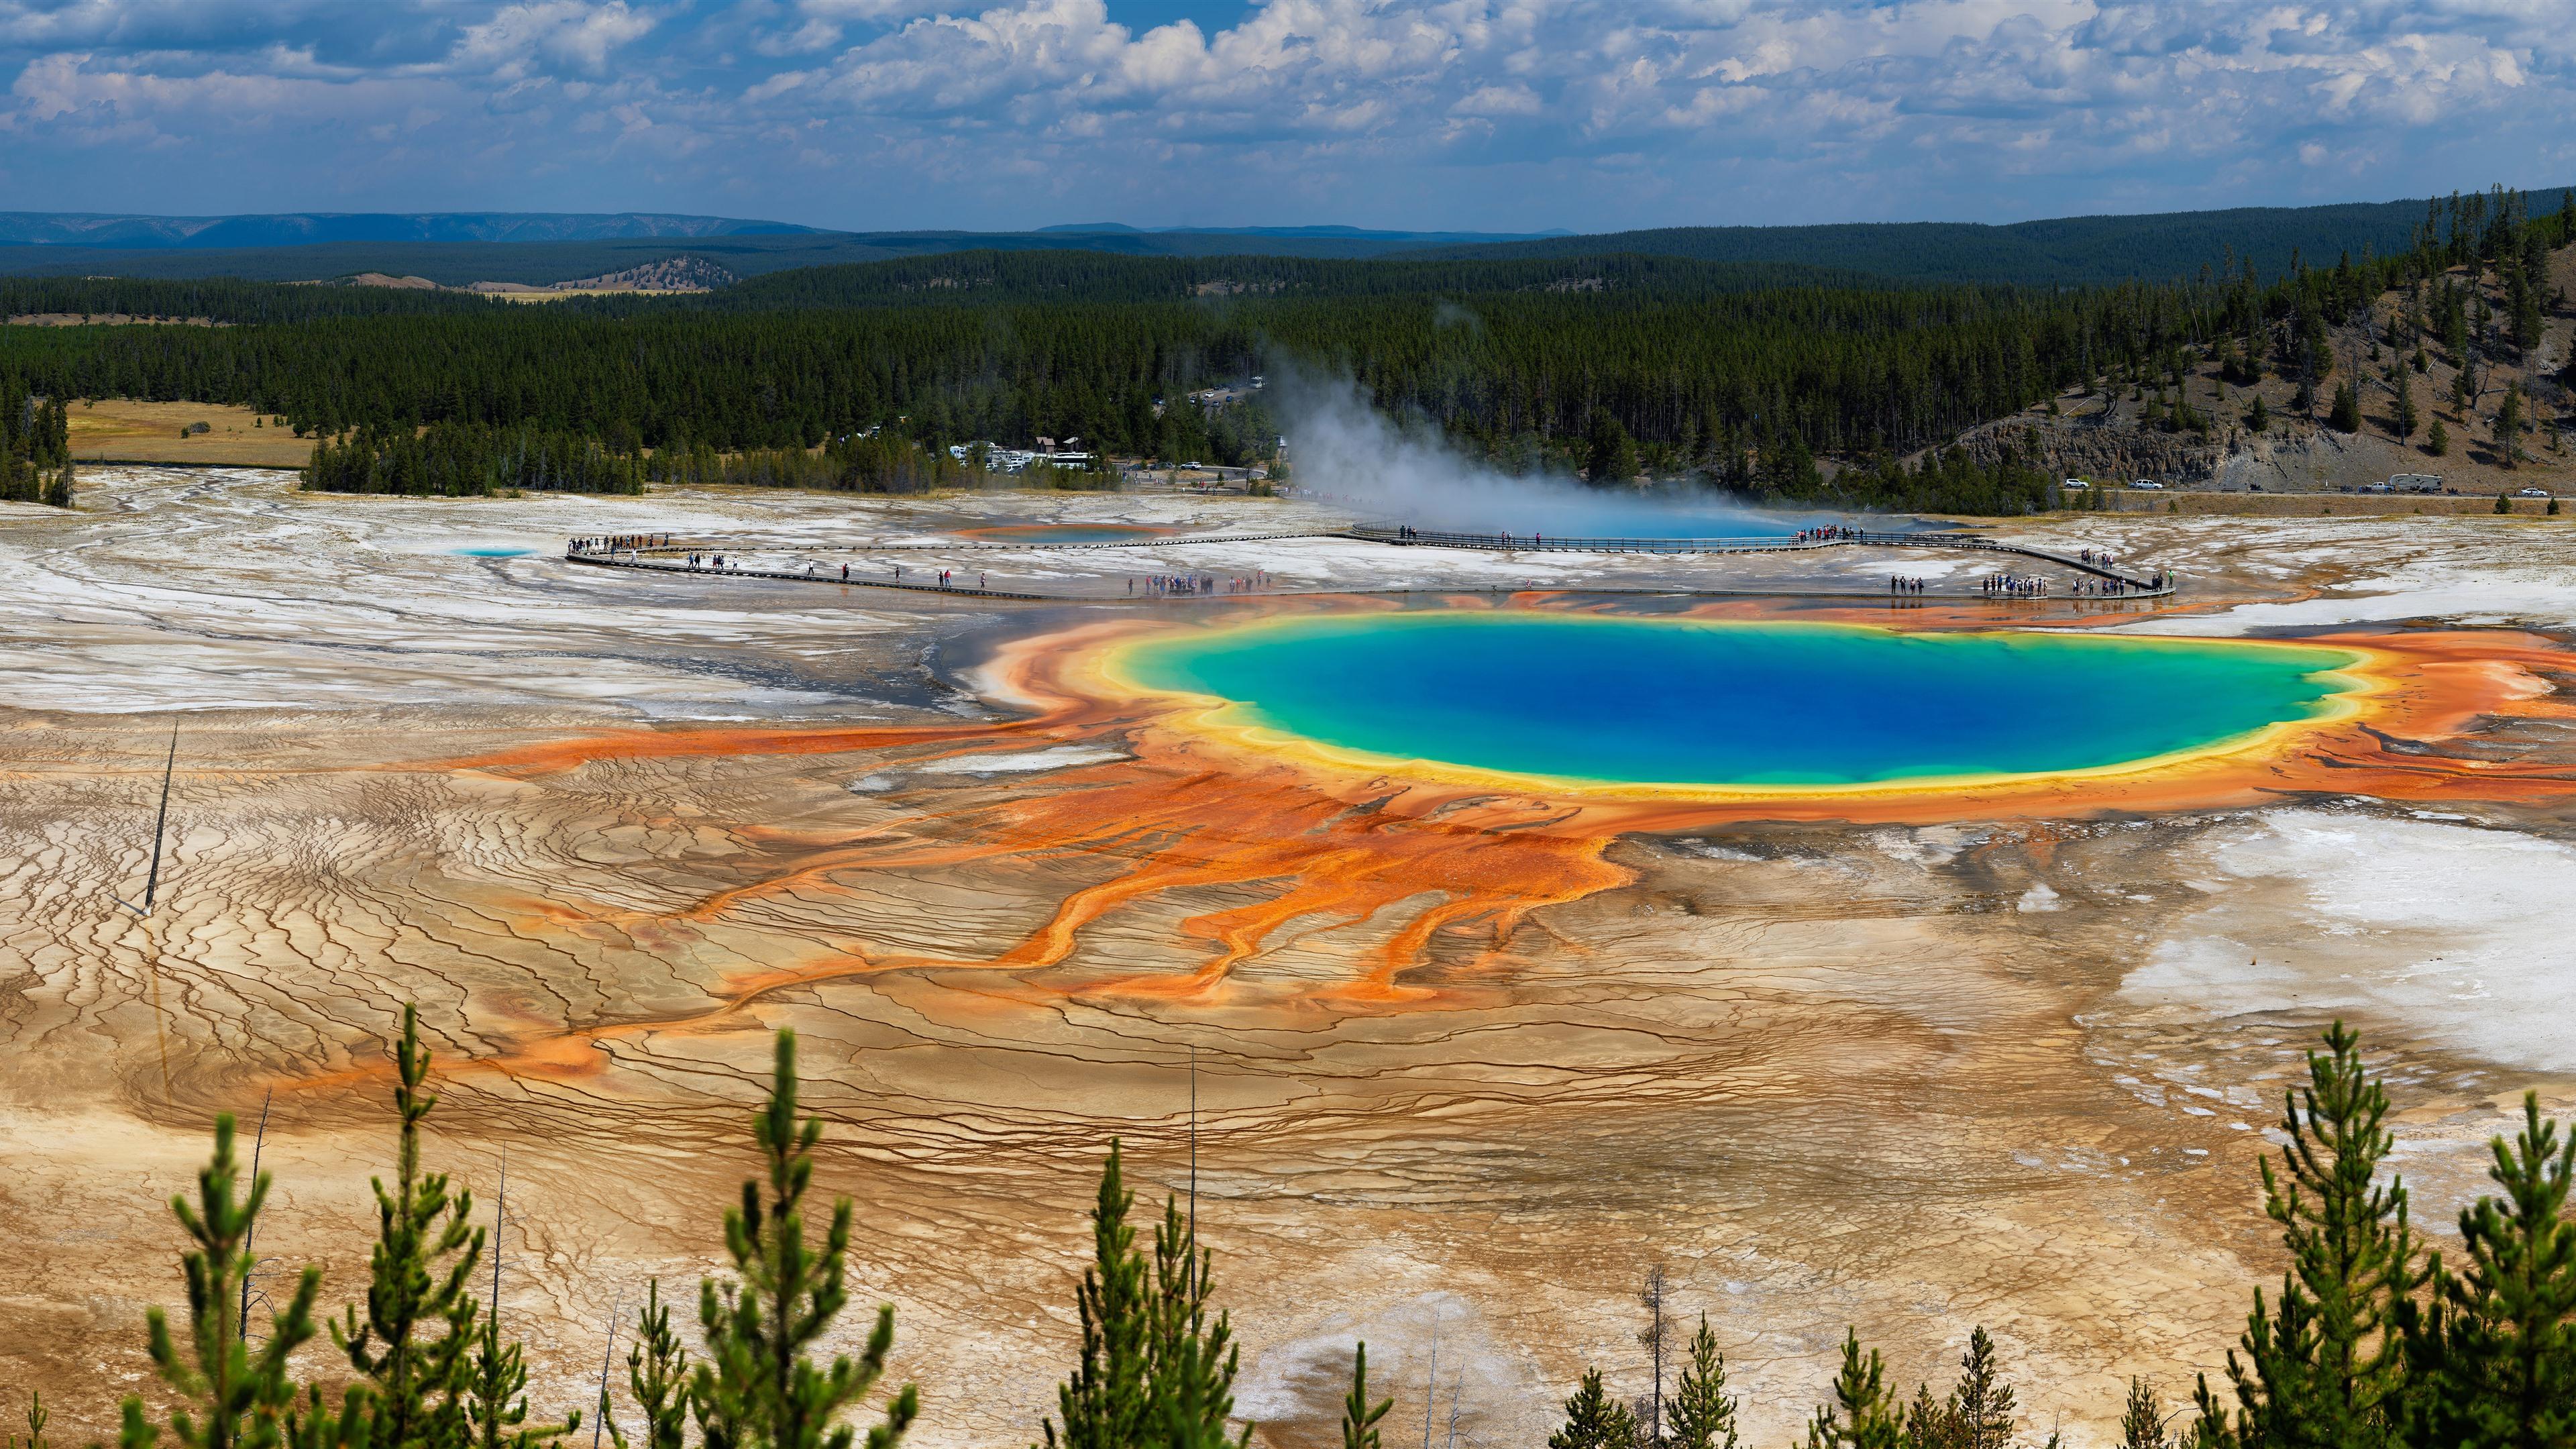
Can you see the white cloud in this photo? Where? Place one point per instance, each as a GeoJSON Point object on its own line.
{"type": "Point", "coordinates": [575, 33]}
{"type": "Point", "coordinates": [1485, 113]}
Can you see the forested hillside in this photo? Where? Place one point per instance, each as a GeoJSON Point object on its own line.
{"type": "Point", "coordinates": [1748, 375]}
{"type": "Point", "coordinates": [2056, 252]}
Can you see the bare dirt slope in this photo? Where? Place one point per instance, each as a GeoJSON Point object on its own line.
{"type": "Point", "coordinates": [2109, 440]}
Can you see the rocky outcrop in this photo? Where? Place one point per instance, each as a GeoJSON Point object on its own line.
{"type": "Point", "coordinates": [2088, 447]}
{"type": "Point", "coordinates": [2292, 456]}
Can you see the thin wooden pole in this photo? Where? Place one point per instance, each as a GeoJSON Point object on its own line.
{"type": "Point", "coordinates": [500, 1215]}
{"type": "Point", "coordinates": [161, 821]}
{"type": "Point", "coordinates": [606, 1356]}
{"type": "Point", "coordinates": [256, 1144]}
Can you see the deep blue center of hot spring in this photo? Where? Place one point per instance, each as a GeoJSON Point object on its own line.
{"type": "Point", "coordinates": [1646, 701]}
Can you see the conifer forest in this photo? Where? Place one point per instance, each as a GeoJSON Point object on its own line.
{"type": "Point", "coordinates": [1758, 378]}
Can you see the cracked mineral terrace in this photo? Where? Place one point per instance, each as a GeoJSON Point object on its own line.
{"type": "Point", "coordinates": [1460, 1061]}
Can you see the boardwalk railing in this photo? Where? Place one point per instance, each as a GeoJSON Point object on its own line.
{"type": "Point", "coordinates": [1550, 543]}
{"type": "Point", "coordinates": [2136, 585]}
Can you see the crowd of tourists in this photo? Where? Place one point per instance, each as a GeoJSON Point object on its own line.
{"type": "Point", "coordinates": [1828, 533]}
{"type": "Point", "coordinates": [1899, 584]}
{"type": "Point", "coordinates": [1165, 586]}
{"type": "Point", "coordinates": [619, 542]}
{"type": "Point", "coordinates": [2015, 586]}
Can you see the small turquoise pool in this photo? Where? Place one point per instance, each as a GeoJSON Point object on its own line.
{"type": "Point", "coordinates": [494, 552]}
{"type": "Point", "coordinates": [1691, 702]}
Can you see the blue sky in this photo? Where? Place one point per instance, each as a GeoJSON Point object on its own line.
{"type": "Point", "coordinates": [1495, 115]}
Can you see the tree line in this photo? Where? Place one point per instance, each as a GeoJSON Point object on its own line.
{"type": "Point", "coordinates": [469, 460]}
{"type": "Point", "coordinates": [35, 447]}
{"type": "Point", "coordinates": [1520, 362]}
{"type": "Point", "coordinates": [2369, 1342]}
{"type": "Point", "coordinates": [1516, 376]}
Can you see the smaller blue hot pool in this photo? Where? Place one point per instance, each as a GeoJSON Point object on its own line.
{"type": "Point", "coordinates": [494, 552]}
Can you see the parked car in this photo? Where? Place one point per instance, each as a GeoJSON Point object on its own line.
{"type": "Point", "coordinates": [2531, 493]}
{"type": "Point", "coordinates": [2146, 483]}
{"type": "Point", "coordinates": [2076, 483]}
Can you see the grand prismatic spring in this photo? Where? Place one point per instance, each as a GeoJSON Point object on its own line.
{"type": "Point", "coordinates": [1520, 920]}
{"type": "Point", "coordinates": [1663, 705]}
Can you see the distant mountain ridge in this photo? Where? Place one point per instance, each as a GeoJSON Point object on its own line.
{"type": "Point", "coordinates": [287, 229]}
{"type": "Point", "coordinates": [2052, 252]}
{"type": "Point", "coordinates": [1338, 233]}
{"type": "Point", "coordinates": [548, 249]}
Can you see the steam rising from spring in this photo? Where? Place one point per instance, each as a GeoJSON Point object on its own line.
{"type": "Point", "coordinates": [1345, 450]}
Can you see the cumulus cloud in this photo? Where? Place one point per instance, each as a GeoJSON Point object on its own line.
{"type": "Point", "coordinates": [1489, 114]}
{"type": "Point", "coordinates": [573, 34]}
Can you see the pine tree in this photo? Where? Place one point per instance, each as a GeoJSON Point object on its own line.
{"type": "Point", "coordinates": [1103, 1405]}
{"type": "Point", "coordinates": [2508, 427]}
{"type": "Point", "coordinates": [2323, 1366]}
{"type": "Point", "coordinates": [759, 1388]}
{"type": "Point", "coordinates": [2495, 1348]}
{"type": "Point", "coordinates": [1179, 1319]}
{"type": "Point", "coordinates": [2257, 416]}
{"type": "Point", "coordinates": [234, 1399]}
{"type": "Point", "coordinates": [2345, 415]}
{"type": "Point", "coordinates": [1652, 1338]}
{"type": "Point", "coordinates": [1982, 1403]}
{"type": "Point", "coordinates": [37, 1415]}
{"type": "Point", "coordinates": [496, 1405]}
{"type": "Point", "coordinates": [2437, 440]}
{"type": "Point", "coordinates": [1701, 1413]}
{"type": "Point", "coordinates": [1862, 1415]}
{"type": "Point", "coordinates": [1359, 1418]}
{"type": "Point", "coordinates": [425, 1249]}
{"type": "Point", "coordinates": [2407, 418]}
{"type": "Point", "coordinates": [657, 1373]}
{"type": "Point", "coordinates": [2142, 1421]}
{"type": "Point", "coordinates": [1594, 1420]}
{"type": "Point", "coordinates": [62, 489]}
{"type": "Point", "coordinates": [1929, 1423]}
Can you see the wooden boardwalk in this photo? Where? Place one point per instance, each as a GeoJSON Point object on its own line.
{"type": "Point", "coordinates": [1491, 542]}
{"type": "Point", "coordinates": [660, 559]}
